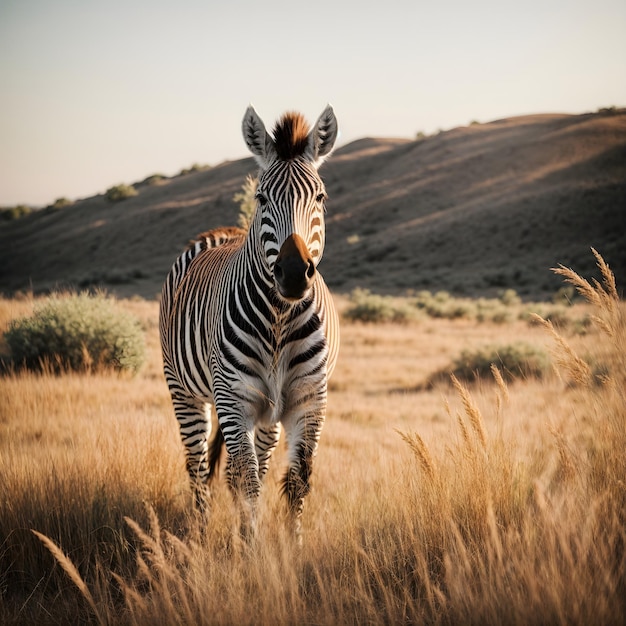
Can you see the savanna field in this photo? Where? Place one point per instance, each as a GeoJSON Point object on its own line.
{"type": "Point", "coordinates": [438, 497]}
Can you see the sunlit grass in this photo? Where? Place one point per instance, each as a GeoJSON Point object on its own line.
{"type": "Point", "coordinates": [501, 502]}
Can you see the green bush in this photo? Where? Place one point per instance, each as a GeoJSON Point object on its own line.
{"type": "Point", "coordinates": [60, 203]}
{"type": "Point", "coordinates": [374, 308]}
{"type": "Point", "coordinates": [14, 213]}
{"type": "Point", "coordinates": [443, 306]}
{"type": "Point", "coordinates": [513, 360]}
{"type": "Point", "coordinates": [501, 317]}
{"type": "Point", "coordinates": [77, 332]}
{"type": "Point", "coordinates": [154, 179]}
{"type": "Point", "coordinates": [558, 315]}
{"type": "Point", "coordinates": [196, 167]}
{"type": "Point", "coordinates": [509, 297]}
{"type": "Point", "coordinates": [121, 192]}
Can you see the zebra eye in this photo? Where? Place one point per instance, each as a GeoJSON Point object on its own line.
{"type": "Point", "coordinates": [320, 197]}
{"type": "Point", "coordinates": [262, 199]}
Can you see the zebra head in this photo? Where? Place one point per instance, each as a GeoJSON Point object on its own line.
{"type": "Point", "coordinates": [289, 218]}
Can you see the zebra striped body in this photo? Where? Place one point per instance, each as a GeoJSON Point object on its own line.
{"type": "Point", "coordinates": [248, 325]}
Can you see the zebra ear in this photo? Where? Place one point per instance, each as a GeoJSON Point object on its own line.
{"type": "Point", "coordinates": [323, 136]}
{"type": "Point", "coordinates": [257, 139]}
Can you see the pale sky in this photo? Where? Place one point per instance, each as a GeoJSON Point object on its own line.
{"type": "Point", "coordinates": [95, 93]}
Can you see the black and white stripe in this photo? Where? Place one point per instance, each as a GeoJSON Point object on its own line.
{"type": "Point", "coordinates": [231, 341]}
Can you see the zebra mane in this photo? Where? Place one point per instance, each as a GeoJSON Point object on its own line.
{"type": "Point", "coordinates": [215, 238]}
{"type": "Point", "coordinates": [291, 135]}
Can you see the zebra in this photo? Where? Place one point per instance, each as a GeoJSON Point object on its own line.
{"type": "Point", "coordinates": [248, 326]}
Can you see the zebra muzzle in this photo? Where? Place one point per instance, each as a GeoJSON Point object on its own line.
{"type": "Point", "coordinates": [294, 270]}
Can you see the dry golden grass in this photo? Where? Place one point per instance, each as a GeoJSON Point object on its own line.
{"type": "Point", "coordinates": [486, 504]}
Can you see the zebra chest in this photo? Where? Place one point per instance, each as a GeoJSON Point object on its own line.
{"type": "Point", "coordinates": [269, 372]}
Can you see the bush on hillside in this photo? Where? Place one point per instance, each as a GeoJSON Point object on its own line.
{"type": "Point", "coordinates": [443, 306]}
{"type": "Point", "coordinates": [117, 193]}
{"type": "Point", "coordinates": [373, 308]}
{"type": "Point", "coordinates": [154, 179]}
{"type": "Point", "coordinates": [60, 203]}
{"type": "Point", "coordinates": [77, 332]}
{"type": "Point", "coordinates": [492, 310]}
{"type": "Point", "coordinates": [516, 360]}
{"type": "Point", "coordinates": [196, 167]}
{"type": "Point", "coordinates": [559, 315]}
{"type": "Point", "coordinates": [15, 212]}
{"type": "Point", "coordinates": [509, 297]}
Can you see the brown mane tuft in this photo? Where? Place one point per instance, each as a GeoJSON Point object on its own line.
{"type": "Point", "coordinates": [290, 136]}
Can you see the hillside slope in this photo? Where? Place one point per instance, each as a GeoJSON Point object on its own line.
{"type": "Point", "coordinates": [471, 210]}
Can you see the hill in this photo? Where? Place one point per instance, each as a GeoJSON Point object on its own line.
{"type": "Point", "coordinates": [472, 210]}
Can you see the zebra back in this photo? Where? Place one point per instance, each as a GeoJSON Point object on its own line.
{"type": "Point", "coordinates": [222, 237]}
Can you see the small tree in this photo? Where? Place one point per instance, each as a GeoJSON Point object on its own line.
{"type": "Point", "coordinates": [247, 201]}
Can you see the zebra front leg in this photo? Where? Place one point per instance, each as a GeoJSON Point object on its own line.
{"type": "Point", "coordinates": [242, 472]}
{"type": "Point", "coordinates": [302, 438]}
{"type": "Point", "coordinates": [194, 421]}
{"type": "Point", "coordinates": [265, 442]}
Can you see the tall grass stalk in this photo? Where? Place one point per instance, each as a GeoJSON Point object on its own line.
{"type": "Point", "coordinates": [72, 572]}
{"type": "Point", "coordinates": [476, 529]}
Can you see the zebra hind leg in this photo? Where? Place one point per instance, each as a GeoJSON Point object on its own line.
{"type": "Point", "coordinates": [194, 420]}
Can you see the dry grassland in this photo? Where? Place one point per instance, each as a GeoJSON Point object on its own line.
{"type": "Point", "coordinates": [489, 506]}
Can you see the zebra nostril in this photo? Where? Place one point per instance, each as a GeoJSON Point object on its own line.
{"type": "Point", "coordinates": [310, 272]}
{"type": "Point", "coordinates": [294, 269]}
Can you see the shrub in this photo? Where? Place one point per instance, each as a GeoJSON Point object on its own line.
{"type": "Point", "coordinates": [60, 203]}
{"type": "Point", "coordinates": [154, 179]}
{"type": "Point", "coordinates": [14, 213]}
{"type": "Point", "coordinates": [373, 308]}
{"type": "Point", "coordinates": [77, 332]}
{"type": "Point", "coordinates": [513, 360]}
{"type": "Point", "coordinates": [196, 167]}
{"type": "Point", "coordinates": [442, 305]}
{"type": "Point", "coordinates": [558, 315]}
{"type": "Point", "coordinates": [509, 297]}
{"type": "Point", "coordinates": [117, 193]}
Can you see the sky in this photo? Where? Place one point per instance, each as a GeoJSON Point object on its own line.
{"type": "Point", "coordinates": [96, 93]}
